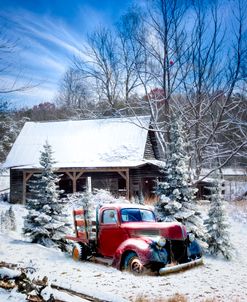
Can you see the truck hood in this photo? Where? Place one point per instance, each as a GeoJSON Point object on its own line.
{"type": "Point", "coordinates": [169, 230]}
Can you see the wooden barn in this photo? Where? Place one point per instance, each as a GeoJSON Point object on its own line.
{"type": "Point", "coordinates": [118, 154]}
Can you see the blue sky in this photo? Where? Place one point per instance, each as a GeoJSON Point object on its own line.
{"type": "Point", "coordinates": [47, 34]}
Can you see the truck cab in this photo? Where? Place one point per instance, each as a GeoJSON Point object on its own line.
{"type": "Point", "coordinates": [129, 237]}
{"type": "Point", "coordinates": [116, 225]}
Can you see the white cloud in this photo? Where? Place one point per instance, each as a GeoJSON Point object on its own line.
{"type": "Point", "coordinates": [45, 47]}
{"type": "Point", "coordinates": [51, 33]}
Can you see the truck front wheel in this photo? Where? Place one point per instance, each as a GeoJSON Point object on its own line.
{"type": "Point", "coordinates": [79, 252]}
{"type": "Point", "coordinates": [133, 264]}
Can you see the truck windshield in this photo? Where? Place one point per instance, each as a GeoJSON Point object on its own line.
{"type": "Point", "coordinates": [133, 215]}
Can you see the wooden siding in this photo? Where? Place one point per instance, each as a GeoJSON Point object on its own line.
{"type": "Point", "coordinates": [16, 185]}
{"type": "Point", "coordinates": [120, 182]}
{"type": "Point", "coordinates": [142, 180]}
{"type": "Point", "coordinates": [235, 178]}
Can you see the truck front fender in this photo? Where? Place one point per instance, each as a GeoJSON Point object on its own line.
{"type": "Point", "coordinates": [138, 245]}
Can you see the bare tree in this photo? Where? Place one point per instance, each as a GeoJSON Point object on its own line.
{"type": "Point", "coordinates": [99, 63]}
{"type": "Point", "coordinates": [75, 95]}
{"type": "Point", "coordinates": [11, 81]}
{"type": "Point", "coordinates": [163, 50]}
{"type": "Point", "coordinates": [176, 57]}
{"type": "Point", "coordinates": [210, 86]}
{"type": "Point", "coordinates": [195, 76]}
{"type": "Point", "coordinates": [108, 65]}
{"type": "Point", "coordinates": [8, 65]}
{"type": "Point", "coordinates": [130, 52]}
{"type": "Point", "coordinates": [9, 128]}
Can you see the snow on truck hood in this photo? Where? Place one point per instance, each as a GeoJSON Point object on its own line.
{"type": "Point", "coordinates": [169, 230]}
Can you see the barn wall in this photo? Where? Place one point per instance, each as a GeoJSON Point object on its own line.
{"type": "Point", "coordinates": [16, 186]}
{"type": "Point", "coordinates": [112, 181]}
{"type": "Point", "coordinates": [235, 187]}
{"type": "Point", "coordinates": [143, 180]}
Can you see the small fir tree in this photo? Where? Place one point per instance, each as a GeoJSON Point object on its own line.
{"type": "Point", "coordinates": [216, 224]}
{"type": "Point", "coordinates": [176, 195]}
{"type": "Point", "coordinates": [12, 219]}
{"type": "Point", "coordinates": [46, 222]}
{"type": "Point", "coordinates": [141, 199]}
{"type": "Point", "coordinates": [7, 220]}
{"type": "Point", "coordinates": [138, 199]}
{"type": "Point", "coordinates": [90, 201]}
{"type": "Point", "coordinates": [2, 222]}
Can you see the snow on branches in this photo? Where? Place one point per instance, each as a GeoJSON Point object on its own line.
{"type": "Point", "coordinates": [176, 195]}
{"type": "Point", "coordinates": [216, 223]}
{"type": "Point", "coordinates": [90, 201]}
{"type": "Point", "coordinates": [47, 220]}
{"type": "Point", "coordinates": [7, 220]}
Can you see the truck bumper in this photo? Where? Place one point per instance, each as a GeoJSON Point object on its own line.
{"type": "Point", "coordinates": [172, 269]}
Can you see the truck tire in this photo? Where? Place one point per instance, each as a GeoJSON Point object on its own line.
{"type": "Point", "coordinates": [79, 252]}
{"type": "Point", "coordinates": [133, 264]}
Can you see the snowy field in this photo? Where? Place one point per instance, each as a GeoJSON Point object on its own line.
{"type": "Point", "coordinates": [217, 279]}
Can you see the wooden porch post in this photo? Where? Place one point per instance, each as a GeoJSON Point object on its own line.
{"type": "Point", "coordinates": [74, 177]}
{"type": "Point", "coordinates": [127, 184]}
{"type": "Point", "coordinates": [125, 175]}
{"type": "Point", "coordinates": [26, 177]}
{"type": "Point", "coordinates": [24, 188]}
{"type": "Point", "coordinates": [74, 182]}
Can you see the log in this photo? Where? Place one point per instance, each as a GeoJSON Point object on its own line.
{"type": "Point", "coordinates": [80, 295]}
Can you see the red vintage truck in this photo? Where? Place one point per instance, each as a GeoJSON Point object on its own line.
{"type": "Point", "coordinates": [128, 237]}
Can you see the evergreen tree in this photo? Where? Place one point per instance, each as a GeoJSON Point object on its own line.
{"type": "Point", "coordinates": [176, 195]}
{"type": "Point", "coordinates": [141, 199]}
{"type": "Point", "coordinates": [46, 222]}
{"type": "Point", "coordinates": [12, 219]}
{"type": "Point", "coordinates": [2, 222]}
{"type": "Point", "coordinates": [216, 224]}
{"type": "Point", "coordinates": [5, 221]}
{"type": "Point", "coordinates": [138, 199]}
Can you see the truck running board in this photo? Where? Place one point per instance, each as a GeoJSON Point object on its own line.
{"type": "Point", "coordinates": [101, 260]}
{"type": "Point", "coordinates": [172, 269]}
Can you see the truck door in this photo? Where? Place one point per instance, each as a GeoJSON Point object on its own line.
{"type": "Point", "coordinates": [111, 235]}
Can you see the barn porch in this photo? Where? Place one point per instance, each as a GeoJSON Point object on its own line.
{"type": "Point", "coordinates": [120, 181]}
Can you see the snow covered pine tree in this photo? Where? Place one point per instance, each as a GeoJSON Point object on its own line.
{"type": "Point", "coordinates": [12, 219]}
{"type": "Point", "coordinates": [7, 220]}
{"type": "Point", "coordinates": [176, 195]}
{"type": "Point", "coordinates": [216, 224]}
{"type": "Point", "coordinates": [46, 222]}
{"type": "Point", "coordinates": [2, 222]}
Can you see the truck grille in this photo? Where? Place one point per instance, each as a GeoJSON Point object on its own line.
{"type": "Point", "coordinates": [177, 250]}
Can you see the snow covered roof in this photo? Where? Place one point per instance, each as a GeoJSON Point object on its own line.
{"type": "Point", "coordinates": [228, 171]}
{"type": "Point", "coordinates": [4, 181]}
{"type": "Point", "coordinates": [112, 142]}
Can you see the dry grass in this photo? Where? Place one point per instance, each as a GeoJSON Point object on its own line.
{"type": "Point", "coordinates": [150, 201]}
{"type": "Point", "coordinates": [238, 210]}
{"type": "Point", "coordinates": [175, 298]}
{"type": "Point", "coordinates": [241, 205]}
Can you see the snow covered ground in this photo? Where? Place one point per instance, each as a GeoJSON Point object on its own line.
{"type": "Point", "coordinates": [217, 278]}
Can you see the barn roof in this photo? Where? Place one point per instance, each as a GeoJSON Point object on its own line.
{"type": "Point", "coordinates": [111, 142]}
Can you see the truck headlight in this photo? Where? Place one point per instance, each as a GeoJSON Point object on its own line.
{"type": "Point", "coordinates": [160, 241]}
{"type": "Point", "coordinates": [191, 237]}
